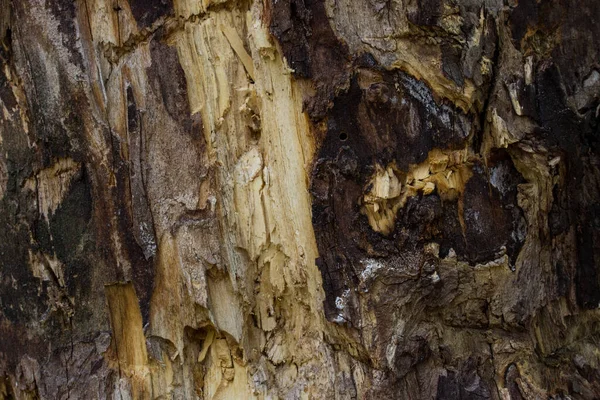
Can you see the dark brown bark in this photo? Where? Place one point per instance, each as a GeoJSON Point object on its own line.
{"type": "Point", "coordinates": [161, 163]}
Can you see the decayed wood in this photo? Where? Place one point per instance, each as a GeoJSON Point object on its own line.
{"type": "Point", "coordinates": [299, 199]}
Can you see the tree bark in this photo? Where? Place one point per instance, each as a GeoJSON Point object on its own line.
{"type": "Point", "coordinates": [299, 199]}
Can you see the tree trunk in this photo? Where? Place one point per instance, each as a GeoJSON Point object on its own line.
{"type": "Point", "coordinates": [299, 199]}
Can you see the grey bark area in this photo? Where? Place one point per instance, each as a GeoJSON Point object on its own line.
{"type": "Point", "coordinates": [299, 199]}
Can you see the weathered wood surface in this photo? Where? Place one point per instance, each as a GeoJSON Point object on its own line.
{"type": "Point", "coordinates": [299, 199]}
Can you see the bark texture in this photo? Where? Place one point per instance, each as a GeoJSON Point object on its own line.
{"type": "Point", "coordinates": [299, 199]}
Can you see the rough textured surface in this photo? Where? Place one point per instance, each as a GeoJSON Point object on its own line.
{"type": "Point", "coordinates": [299, 199]}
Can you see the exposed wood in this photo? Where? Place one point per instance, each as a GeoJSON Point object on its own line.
{"type": "Point", "coordinates": [300, 199]}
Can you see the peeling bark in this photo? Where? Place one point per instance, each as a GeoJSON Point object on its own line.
{"type": "Point", "coordinates": [299, 199]}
